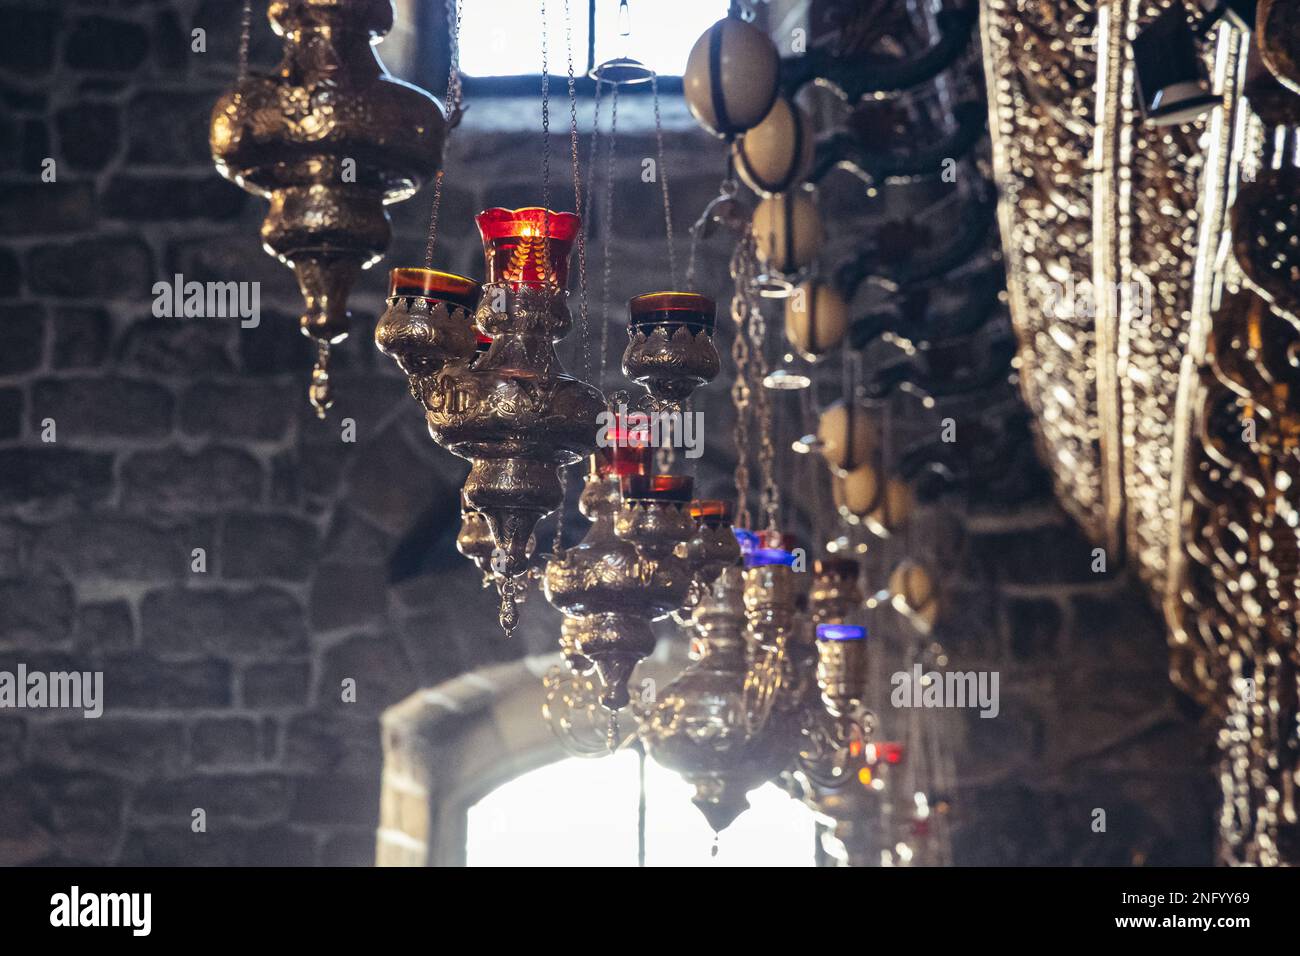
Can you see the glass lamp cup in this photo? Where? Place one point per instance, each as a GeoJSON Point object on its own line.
{"type": "Point", "coordinates": [528, 246]}
{"type": "Point", "coordinates": [621, 460]}
{"type": "Point", "coordinates": [623, 446]}
{"type": "Point", "coordinates": [845, 568]}
{"type": "Point", "coordinates": [747, 540]}
{"type": "Point", "coordinates": [771, 547]}
{"type": "Point", "coordinates": [841, 632]}
{"type": "Point", "coordinates": [433, 284]}
{"type": "Point", "coordinates": [672, 309]}
{"type": "Point", "coordinates": [447, 287]}
{"type": "Point", "coordinates": [712, 513]}
{"type": "Point", "coordinates": [673, 489]}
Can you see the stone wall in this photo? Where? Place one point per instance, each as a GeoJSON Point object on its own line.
{"type": "Point", "coordinates": [329, 560]}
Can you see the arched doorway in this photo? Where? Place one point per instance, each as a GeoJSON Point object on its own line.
{"type": "Point", "coordinates": [473, 775]}
{"type": "Point", "coordinates": [590, 809]}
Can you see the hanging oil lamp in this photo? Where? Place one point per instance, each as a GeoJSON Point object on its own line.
{"type": "Point", "coordinates": [833, 601]}
{"type": "Point", "coordinates": [670, 349]}
{"type": "Point", "coordinates": [846, 437]}
{"type": "Point", "coordinates": [645, 580]}
{"type": "Point", "coordinates": [913, 595]}
{"type": "Point", "coordinates": [699, 724]}
{"type": "Point", "coordinates": [713, 546]}
{"type": "Point", "coordinates": [775, 596]}
{"type": "Point", "coordinates": [514, 412]}
{"type": "Point", "coordinates": [571, 708]}
{"type": "Point", "coordinates": [428, 323]}
{"type": "Point", "coordinates": [607, 585]}
{"type": "Point", "coordinates": [474, 541]}
{"type": "Point", "coordinates": [862, 812]}
{"type": "Point", "coordinates": [842, 667]}
{"type": "Point", "coordinates": [836, 594]}
{"type": "Point", "coordinates": [329, 138]}
{"type": "Point", "coordinates": [862, 498]}
{"type": "Point", "coordinates": [834, 727]}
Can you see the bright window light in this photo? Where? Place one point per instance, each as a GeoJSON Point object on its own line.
{"type": "Point", "coordinates": [584, 813]}
{"type": "Point", "coordinates": [503, 37]}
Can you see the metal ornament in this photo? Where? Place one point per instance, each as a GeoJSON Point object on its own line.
{"type": "Point", "coordinates": [731, 77]}
{"type": "Point", "coordinates": [836, 725]}
{"type": "Point", "coordinates": [329, 138]}
{"type": "Point", "coordinates": [670, 349]}
{"type": "Point", "coordinates": [1167, 407]}
{"type": "Point", "coordinates": [1277, 24]}
{"type": "Point", "coordinates": [713, 546]}
{"type": "Point", "coordinates": [611, 588]}
{"type": "Point", "coordinates": [785, 661]}
{"type": "Point", "coordinates": [699, 724]}
{"type": "Point", "coordinates": [512, 411]}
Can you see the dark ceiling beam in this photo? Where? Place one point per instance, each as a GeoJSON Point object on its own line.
{"type": "Point", "coordinates": [854, 77]}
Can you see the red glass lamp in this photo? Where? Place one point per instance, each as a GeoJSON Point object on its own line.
{"type": "Point", "coordinates": [528, 246]}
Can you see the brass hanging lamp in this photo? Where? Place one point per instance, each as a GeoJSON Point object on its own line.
{"type": "Point", "coordinates": [329, 139]}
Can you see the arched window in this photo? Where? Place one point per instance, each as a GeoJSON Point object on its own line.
{"type": "Point", "coordinates": [585, 813]}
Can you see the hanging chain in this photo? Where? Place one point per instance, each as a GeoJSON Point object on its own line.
{"type": "Point", "coordinates": [727, 190]}
{"type": "Point", "coordinates": [740, 391]}
{"type": "Point", "coordinates": [817, 477]}
{"type": "Point", "coordinates": [453, 101]}
{"type": "Point", "coordinates": [455, 89]}
{"type": "Point", "coordinates": [663, 179]}
{"type": "Point", "coordinates": [546, 126]}
{"type": "Point", "coordinates": [584, 322]}
{"type": "Point", "coordinates": [588, 364]}
{"type": "Point", "coordinates": [607, 261]}
{"type": "Point", "coordinates": [584, 318]}
{"type": "Point", "coordinates": [433, 220]}
{"type": "Point", "coordinates": [245, 39]}
{"type": "Point", "coordinates": [557, 543]}
{"type": "Point", "coordinates": [771, 495]}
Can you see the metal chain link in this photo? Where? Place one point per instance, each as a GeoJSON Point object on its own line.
{"type": "Point", "coordinates": [557, 543]}
{"type": "Point", "coordinates": [584, 318]}
{"type": "Point", "coordinates": [663, 179]}
{"type": "Point", "coordinates": [588, 339]}
{"type": "Point", "coordinates": [771, 495]}
{"type": "Point", "coordinates": [546, 124]}
{"type": "Point", "coordinates": [740, 391]}
{"type": "Point", "coordinates": [608, 225]}
{"type": "Point", "coordinates": [453, 101]}
{"type": "Point", "coordinates": [455, 89]}
{"type": "Point", "coordinates": [245, 40]}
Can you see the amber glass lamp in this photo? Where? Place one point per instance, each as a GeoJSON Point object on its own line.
{"type": "Point", "coordinates": [429, 320]}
